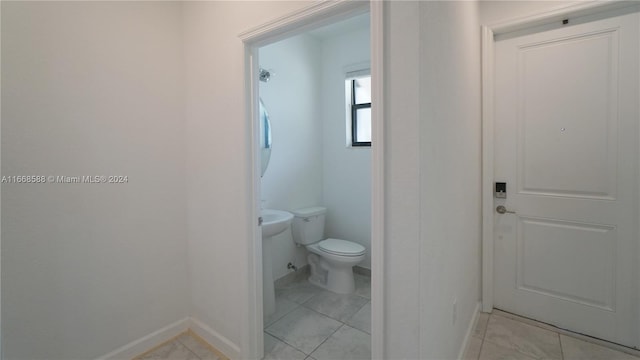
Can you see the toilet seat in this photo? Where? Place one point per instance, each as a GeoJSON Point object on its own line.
{"type": "Point", "coordinates": [341, 247]}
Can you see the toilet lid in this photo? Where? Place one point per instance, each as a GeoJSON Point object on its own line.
{"type": "Point", "coordinates": [341, 247]}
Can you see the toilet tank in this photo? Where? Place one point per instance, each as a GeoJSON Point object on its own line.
{"type": "Point", "coordinates": [308, 225]}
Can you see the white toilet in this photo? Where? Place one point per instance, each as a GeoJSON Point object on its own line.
{"type": "Point", "coordinates": [331, 260]}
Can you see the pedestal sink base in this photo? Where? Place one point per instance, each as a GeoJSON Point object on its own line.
{"type": "Point", "coordinates": [274, 222]}
{"type": "Point", "coordinates": [268, 289]}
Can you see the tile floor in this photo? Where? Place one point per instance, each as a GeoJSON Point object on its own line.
{"type": "Point", "coordinates": [314, 324]}
{"type": "Point", "coordinates": [184, 347]}
{"type": "Point", "coordinates": [501, 335]}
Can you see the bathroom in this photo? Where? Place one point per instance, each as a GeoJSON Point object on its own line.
{"type": "Point", "coordinates": [305, 89]}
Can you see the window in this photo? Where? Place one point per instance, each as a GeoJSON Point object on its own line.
{"type": "Point", "coordinates": [359, 103]}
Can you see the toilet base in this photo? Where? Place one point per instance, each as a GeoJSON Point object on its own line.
{"type": "Point", "coordinates": [335, 277]}
{"type": "Point", "coordinates": [339, 283]}
{"type": "Point", "coordinates": [345, 287]}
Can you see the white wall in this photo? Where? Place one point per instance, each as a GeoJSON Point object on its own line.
{"type": "Point", "coordinates": [402, 181]}
{"type": "Point", "coordinates": [0, 191]}
{"type": "Point", "coordinates": [95, 88]}
{"type": "Point", "coordinates": [450, 166]}
{"type": "Point", "coordinates": [293, 179]}
{"type": "Point", "coordinates": [92, 88]}
{"type": "Point", "coordinates": [346, 170]}
{"type": "Point", "coordinates": [442, 139]}
{"type": "Point", "coordinates": [432, 239]}
{"type": "Point", "coordinates": [217, 162]}
{"type": "Point", "coordinates": [433, 131]}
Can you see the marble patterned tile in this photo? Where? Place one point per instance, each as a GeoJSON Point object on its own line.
{"type": "Point", "coordinates": [472, 352]}
{"type": "Point", "coordinates": [336, 306]}
{"type": "Point", "coordinates": [496, 352]}
{"type": "Point", "coordinates": [345, 344]}
{"type": "Point", "coordinates": [481, 325]}
{"type": "Point", "coordinates": [574, 349]}
{"type": "Point", "coordinates": [283, 307]}
{"type": "Point", "coordinates": [527, 339]}
{"type": "Point", "coordinates": [525, 320]}
{"type": "Point", "coordinates": [275, 349]}
{"type": "Point", "coordinates": [303, 329]}
{"type": "Point", "coordinates": [201, 350]}
{"type": "Point", "coordinates": [298, 291]}
{"type": "Point", "coordinates": [173, 350]}
{"type": "Point", "coordinates": [363, 285]}
{"type": "Point", "coordinates": [361, 320]}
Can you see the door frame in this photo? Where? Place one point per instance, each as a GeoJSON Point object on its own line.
{"type": "Point", "coordinates": [318, 14]}
{"type": "Point", "coordinates": [488, 65]}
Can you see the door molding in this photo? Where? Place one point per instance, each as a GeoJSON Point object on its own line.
{"type": "Point", "coordinates": [316, 15]}
{"type": "Point", "coordinates": [488, 64]}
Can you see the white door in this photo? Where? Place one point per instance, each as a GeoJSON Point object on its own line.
{"type": "Point", "coordinates": [566, 144]}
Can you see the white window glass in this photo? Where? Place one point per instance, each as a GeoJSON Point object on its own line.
{"type": "Point", "coordinates": [363, 125]}
{"type": "Point", "coordinates": [358, 105]}
{"type": "Point", "coordinates": [363, 90]}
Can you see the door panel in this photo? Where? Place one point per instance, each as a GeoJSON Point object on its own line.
{"type": "Point", "coordinates": [566, 144]}
{"type": "Point", "coordinates": [543, 249]}
{"type": "Point", "coordinates": [562, 106]}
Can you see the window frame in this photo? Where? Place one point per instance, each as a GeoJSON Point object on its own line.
{"type": "Point", "coordinates": [354, 114]}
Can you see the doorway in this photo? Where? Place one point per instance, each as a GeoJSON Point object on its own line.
{"type": "Point", "coordinates": [314, 17]}
{"type": "Point", "coordinates": [561, 183]}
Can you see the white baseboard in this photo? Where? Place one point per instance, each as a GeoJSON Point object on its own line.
{"type": "Point", "coordinates": [221, 343]}
{"type": "Point", "coordinates": [145, 343]}
{"type": "Point", "coordinates": [148, 342]}
{"type": "Point", "coordinates": [467, 336]}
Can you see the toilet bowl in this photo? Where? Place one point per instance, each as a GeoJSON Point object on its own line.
{"type": "Point", "coordinates": [331, 260]}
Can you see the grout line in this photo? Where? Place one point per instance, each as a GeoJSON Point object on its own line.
{"type": "Point", "coordinates": [321, 314]}
{"type": "Point", "coordinates": [590, 339]}
{"type": "Point", "coordinates": [328, 337]}
{"type": "Point", "coordinates": [189, 350]}
{"type": "Point", "coordinates": [309, 299]}
{"type": "Point", "coordinates": [265, 325]}
{"type": "Point", "coordinates": [516, 349]}
{"type": "Point", "coordinates": [342, 324]}
{"type": "Point", "coordinates": [338, 320]}
{"type": "Point", "coordinates": [285, 342]}
{"type": "Point", "coordinates": [356, 329]}
{"type": "Point", "coordinates": [138, 357]}
{"type": "Point", "coordinates": [486, 327]}
{"type": "Point", "coordinates": [303, 305]}
{"type": "Point", "coordinates": [354, 314]}
{"type": "Point", "coordinates": [351, 317]}
{"type": "Point", "coordinates": [480, 352]}
{"type": "Point", "coordinates": [206, 344]}
{"type": "Point", "coordinates": [561, 349]}
{"type": "Point", "coordinates": [185, 345]}
{"type": "Point", "coordinates": [521, 354]}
